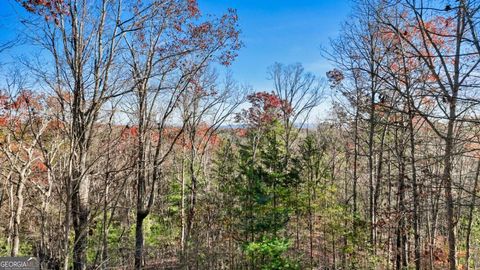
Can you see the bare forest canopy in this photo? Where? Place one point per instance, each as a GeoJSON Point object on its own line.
{"type": "Point", "coordinates": [122, 146]}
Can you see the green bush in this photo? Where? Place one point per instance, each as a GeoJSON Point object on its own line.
{"type": "Point", "coordinates": [269, 254]}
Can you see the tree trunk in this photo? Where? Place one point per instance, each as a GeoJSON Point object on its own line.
{"type": "Point", "coordinates": [139, 240]}
{"type": "Point", "coordinates": [80, 224]}
{"type": "Point", "coordinates": [66, 226]}
{"type": "Point", "coordinates": [416, 225]}
{"type": "Point", "coordinates": [17, 217]}
{"type": "Point", "coordinates": [470, 216]}
{"type": "Point", "coordinates": [447, 179]}
{"type": "Point", "coordinates": [371, 186]}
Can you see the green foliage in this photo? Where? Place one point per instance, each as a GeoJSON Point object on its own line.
{"type": "Point", "coordinates": [267, 182]}
{"type": "Point", "coordinates": [26, 248]}
{"type": "Point", "coordinates": [157, 232]}
{"type": "Point", "coordinates": [474, 237]}
{"type": "Point", "coordinates": [4, 249]}
{"type": "Point", "coordinates": [269, 254]}
{"type": "Point", "coordinates": [116, 236]}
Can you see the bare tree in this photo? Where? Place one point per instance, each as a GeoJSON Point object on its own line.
{"type": "Point", "coordinates": [205, 107]}
{"type": "Point", "coordinates": [83, 39]}
{"type": "Point", "coordinates": [167, 53]}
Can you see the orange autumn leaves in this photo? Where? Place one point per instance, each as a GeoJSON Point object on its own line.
{"type": "Point", "coordinates": [187, 34]}
{"type": "Point", "coordinates": [265, 108]}
{"type": "Point", "coordinates": [18, 109]}
{"type": "Point", "coordinates": [19, 116]}
{"type": "Point", "coordinates": [414, 42]}
{"type": "Point", "coordinates": [49, 9]}
{"type": "Point", "coordinates": [203, 135]}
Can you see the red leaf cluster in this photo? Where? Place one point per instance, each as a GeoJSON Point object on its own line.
{"type": "Point", "coordinates": [192, 7]}
{"type": "Point", "coordinates": [265, 109]}
{"type": "Point", "coordinates": [335, 77]}
{"type": "Point", "coordinates": [50, 9]}
{"type": "Point", "coordinates": [17, 109]}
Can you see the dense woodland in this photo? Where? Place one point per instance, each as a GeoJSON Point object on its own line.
{"type": "Point", "coordinates": [124, 144]}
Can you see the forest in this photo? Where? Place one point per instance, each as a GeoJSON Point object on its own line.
{"type": "Point", "coordinates": [126, 142]}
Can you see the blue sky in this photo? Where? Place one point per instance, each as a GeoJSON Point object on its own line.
{"type": "Point", "coordinates": [285, 31]}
